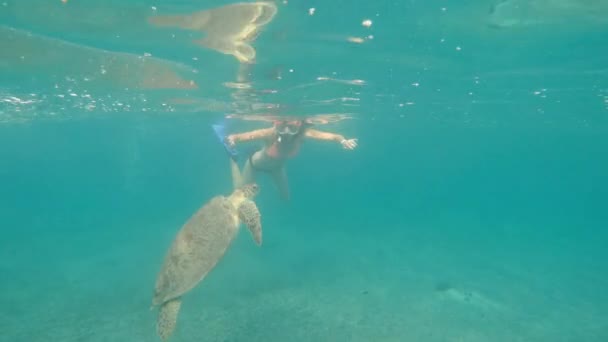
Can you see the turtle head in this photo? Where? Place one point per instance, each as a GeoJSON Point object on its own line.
{"type": "Point", "coordinates": [250, 190]}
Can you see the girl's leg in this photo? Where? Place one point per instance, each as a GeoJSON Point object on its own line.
{"type": "Point", "coordinates": [249, 171]}
{"type": "Point", "coordinates": [274, 169]}
{"type": "Point", "coordinates": [280, 180]}
{"type": "Point", "coordinates": [237, 179]}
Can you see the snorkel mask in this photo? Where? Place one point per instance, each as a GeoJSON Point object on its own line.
{"type": "Point", "coordinates": [287, 128]}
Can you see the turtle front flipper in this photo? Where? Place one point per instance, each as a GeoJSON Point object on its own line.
{"type": "Point", "coordinates": [251, 217]}
{"type": "Point", "coordinates": [167, 318]}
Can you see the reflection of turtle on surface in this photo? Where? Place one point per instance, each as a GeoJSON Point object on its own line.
{"type": "Point", "coordinates": [229, 29]}
{"type": "Point", "coordinates": [197, 248]}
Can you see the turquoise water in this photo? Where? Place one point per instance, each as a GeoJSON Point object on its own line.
{"type": "Point", "coordinates": [473, 209]}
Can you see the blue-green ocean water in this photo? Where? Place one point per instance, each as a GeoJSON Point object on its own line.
{"type": "Point", "coordinates": [473, 209]}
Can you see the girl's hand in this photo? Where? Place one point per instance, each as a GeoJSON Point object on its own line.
{"type": "Point", "coordinates": [349, 144]}
{"type": "Point", "coordinates": [230, 140]}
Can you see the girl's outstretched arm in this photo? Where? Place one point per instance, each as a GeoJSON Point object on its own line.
{"type": "Point", "coordinates": [348, 144]}
{"type": "Point", "coordinates": [249, 136]}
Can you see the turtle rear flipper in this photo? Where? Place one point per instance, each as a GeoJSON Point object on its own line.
{"type": "Point", "coordinates": [251, 217]}
{"type": "Point", "coordinates": [167, 318]}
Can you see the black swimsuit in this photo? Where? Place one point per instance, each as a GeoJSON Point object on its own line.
{"type": "Point", "coordinates": [255, 167]}
{"type": "Point", "coordinates": [297, 136]}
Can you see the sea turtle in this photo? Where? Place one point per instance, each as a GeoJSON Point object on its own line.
{"type": "Point", "coordinates": [198, 246]}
